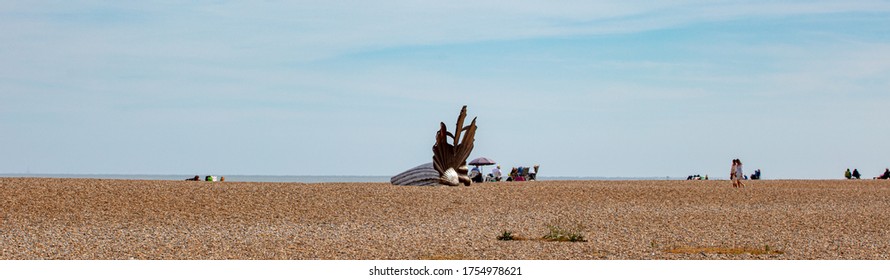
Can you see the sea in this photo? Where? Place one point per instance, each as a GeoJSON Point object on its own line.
{"type": "Point", "coordinates": [295, 178]}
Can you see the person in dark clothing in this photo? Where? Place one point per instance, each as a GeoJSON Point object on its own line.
{"type": "Point", "coordinates": [886, 174]}
{"type": "Point", "coordinates": [756, 175]}
{"type": "Point", "coordinates": [476, 175]}
{"type": "Point", "coordinates": [856, 174]}
{"type": "Point", "coordinates": [477, 178]}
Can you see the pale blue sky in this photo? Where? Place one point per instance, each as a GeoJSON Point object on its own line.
{"type": "Point", "coordinates": [798, 89]}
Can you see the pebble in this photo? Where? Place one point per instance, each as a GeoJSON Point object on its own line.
{"type": "Point", "coordinates": [137, 219]}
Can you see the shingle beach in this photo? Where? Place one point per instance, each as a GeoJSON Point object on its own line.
{"type": "Point", "coordinates": [134, 219]}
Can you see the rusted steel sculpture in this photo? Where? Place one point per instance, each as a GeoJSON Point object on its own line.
{"type": "Point", "coordinates": [449, 166]}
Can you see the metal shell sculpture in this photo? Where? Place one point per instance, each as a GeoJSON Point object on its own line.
{"type": "Point", "coordinates": [449, 166]}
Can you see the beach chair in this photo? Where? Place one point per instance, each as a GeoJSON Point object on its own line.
{"type": "Point", "coordinates": [490, 178]}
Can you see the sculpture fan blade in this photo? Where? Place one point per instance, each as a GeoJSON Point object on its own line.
{"type": "Point", "coordinates": [447, 158]}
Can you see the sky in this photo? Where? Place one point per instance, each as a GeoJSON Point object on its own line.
{"type": "Point", "coordinates": [798, 89]}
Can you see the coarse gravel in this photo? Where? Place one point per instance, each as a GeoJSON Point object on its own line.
{"type": "Point", "coordinates": [51, 218]}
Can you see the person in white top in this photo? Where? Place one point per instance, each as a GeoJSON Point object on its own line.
{"type": "Point", "coordinates": [496, 173]}
{"type": "Point", "coordinates": [736, 174]}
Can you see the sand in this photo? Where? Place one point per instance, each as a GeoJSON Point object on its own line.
{"type": "Point", "coordinates": [133, 219]}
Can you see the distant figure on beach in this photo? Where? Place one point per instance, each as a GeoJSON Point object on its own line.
{"type": "Point", "coordinates": [848, 175]}
{"type": "Point", "coordinates": [739, 173]}
{"type": "Point", "coordinates": [533, 173]}
{"type": "Point", "coordinates": [736, 174]}
{"type": "Point", "coordinates": [516, 174]}
{"type": "Point", "coordinates": [856, 174]}
{"type": "Point", "coordinates": [496, 173]}
{"type": "Point", "coordinates": [756, 175]}
{"type": "Point", "coordinates": [886, 175]}
{"type": "Point", "coordinates": [732, 174]}
{"type": "Point", "coordinates": [476, 175]}
{"type": "Point", "coordinates": [196, 178]}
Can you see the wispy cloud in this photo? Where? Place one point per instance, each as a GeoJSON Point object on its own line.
{"type": "Point", "coordinates": [313, 30]}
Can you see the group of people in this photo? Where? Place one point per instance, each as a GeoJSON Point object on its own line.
{"type": "Point", "coordinates": [855, 174]}
{"type": "Point", "coordinates": [495, 175]}
{"type": "Point", "coordinates": [208, 178]}
{"type": "Point", "coordinates": [736, 174]}
{"type": "Point", "coordinates": [851, 175]}
{"type": "Point", "coordinates": [756, 175]}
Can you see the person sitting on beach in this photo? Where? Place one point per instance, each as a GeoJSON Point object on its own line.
{"type": "Point", "coordinates": [518, 175]}
{"type": "Point", "coordinates": [756, 175]}
{"type": "Point", "coordinates": [856, 174]}
{"type": "Point", "coordinates": [511, 175]}
{"type": "Point", "coordinates": [848, 175]}
{"type": "Point", "coordinates": [476, 175]}
{"type": "Point", "coordinates": [196, 178]}
{"type": "Point", "coordinates": [886, 175]}
{"type": "Point", "coordinates": [496, 173]}
{"type": "Point", "coordinates": [533, 173]}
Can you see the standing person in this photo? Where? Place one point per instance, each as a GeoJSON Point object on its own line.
{"type": "Point", "coordinates": [732, 176]}
{"type": "Point", "coordinates": [856, 173]}
{"type": "Point", "coordinates": [739, 174]}
{"type": "Point", "coordinates": [848, 175]}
